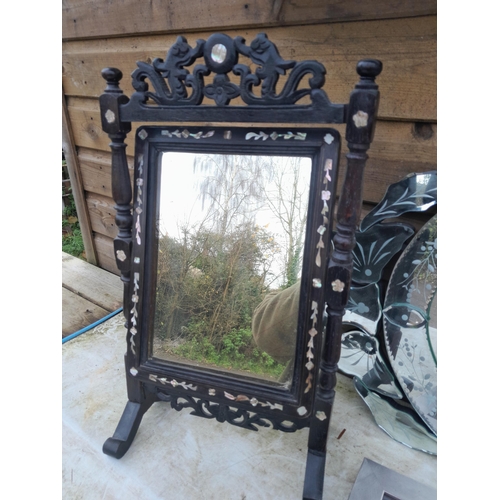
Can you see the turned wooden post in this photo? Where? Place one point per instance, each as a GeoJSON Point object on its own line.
{"type": "Point", "coordinates": [121, 189]}
{"type": "Point", "coordinates": [361, 116]}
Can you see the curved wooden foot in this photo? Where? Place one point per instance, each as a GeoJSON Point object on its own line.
{"type": "Point", "coordinates": [126, 430]}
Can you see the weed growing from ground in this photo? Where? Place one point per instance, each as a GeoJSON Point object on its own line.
{"type": "Point", "coordinates": [72, 241]}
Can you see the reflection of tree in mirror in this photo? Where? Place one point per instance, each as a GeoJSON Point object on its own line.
{"type": "Point", "coordinates": [231, 187]}
{"type": "Point", "coordinates": [286, 194]}
{"type": "Point", "coordinates": [245, 188]}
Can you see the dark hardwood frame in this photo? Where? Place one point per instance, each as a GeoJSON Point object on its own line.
{"type": "Point", "coordinates": [177, 98]}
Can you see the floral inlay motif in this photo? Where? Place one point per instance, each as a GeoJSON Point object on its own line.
{"type": "Point", "coordinates": [320, 245]}
{"type": "Point", "coordinates": [302, 411]}
{"type": "Point", "coordinates": [133, 312]}
{"type": "Point", "coordinates": [138, 209]}
{"type": "Point", "coordinates": [253, 401]}
{"type": "Point", "coordinates": [325, 196]}
{"type": "Point", "coordinates": [110, 116]}
{"type": "Point", "coordinates": [316, 283]}
{"type": "Point", "coordinates": [321, 415]}
{"type": "Point", "coordinates": [299, 136]}
{"type": "Point", "coordinates": [172, 382]}
{"type": "Point", "coordinates": [327, 168]}
{"type": "Point", "coordinates": [142, 134]}
{"type": "Point", "coordinates": [360, 119]}
{"type": "Point", "coordinates": [338, 286]}
{"type": "Point", "coordinates": [120, 255]}
{"type": "Point", "coordinates": [310, 355]}
{"type": "Point", "coordinates": [328, 138]}
{"type": "Point", "coordinates": [185, 134]}
{"type": "Point", "coordinates": [133, 371]}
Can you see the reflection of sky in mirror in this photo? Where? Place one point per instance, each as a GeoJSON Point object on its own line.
{"type": "Point", "coordinates": [179, 201]}
{"type": "Point", "coordinates": [182, 203]}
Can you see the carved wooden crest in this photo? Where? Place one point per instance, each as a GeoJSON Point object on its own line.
{"type": "Point", "coordinates": [174, 85]}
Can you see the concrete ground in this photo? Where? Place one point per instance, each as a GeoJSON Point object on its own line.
{"type": "Point", "coordinates": [179, 456]}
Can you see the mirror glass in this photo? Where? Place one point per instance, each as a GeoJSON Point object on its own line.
{"type": "Point", "coordinates": [231, 231]}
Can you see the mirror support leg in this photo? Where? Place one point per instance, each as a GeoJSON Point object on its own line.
{"type": "Point", "coordinates": [126, 430]}
{"type": "Point", "coordinates": [315, 472]}
{"type": "Point", "coordinates": [140, 399]}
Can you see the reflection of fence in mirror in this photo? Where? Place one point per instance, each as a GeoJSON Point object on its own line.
{"type": "Point", "coordinates": [231, 238]}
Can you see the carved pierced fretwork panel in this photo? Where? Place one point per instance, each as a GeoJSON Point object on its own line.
{"type": "Point", "coordinates": [169, 83]}
{"type": "Point", "coordinates": [232, 415]}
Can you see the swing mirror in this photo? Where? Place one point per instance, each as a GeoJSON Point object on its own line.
{"type": "Point", "coordinates": [224, 246]}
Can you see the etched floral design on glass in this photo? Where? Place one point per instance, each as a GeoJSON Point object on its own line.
{"type": "Point", "coordinates": [361, 357]}
{"type": "Point", "coordinates": [409, 322]}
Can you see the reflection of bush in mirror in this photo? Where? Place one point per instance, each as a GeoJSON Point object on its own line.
{"type": "Point", "coordinates": [236, 234]}
{"type": "Point", "coordinates": [207, 288]}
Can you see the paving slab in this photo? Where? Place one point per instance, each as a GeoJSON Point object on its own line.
{"type": "Point", "coordinates": [179, 456]}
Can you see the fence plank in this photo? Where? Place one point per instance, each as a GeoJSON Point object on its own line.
{"type": "Point", "coordinates": [95, 168]}
{"type": "Point", "coordinates": [105, 253]}
{"type": "Point", "coordinates": [407, 48]}
{"type": "Point", "coordinates": [83, 19]}
{"type": "Point", "coordinates": [102, 214]}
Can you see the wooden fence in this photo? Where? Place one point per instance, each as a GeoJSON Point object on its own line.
{"type": "Point", "coordinates": [337, 33]}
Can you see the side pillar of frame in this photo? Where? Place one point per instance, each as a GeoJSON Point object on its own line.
{"type": "Point", "coordinates": [139, 400]}
{"type": "Point", "coordinates": [361, 116]}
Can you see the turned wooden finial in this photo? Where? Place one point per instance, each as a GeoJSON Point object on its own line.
{"type": "Point", "coordinates": [369, 68]}
{"type": "Point", "coordinates": [112, 77]}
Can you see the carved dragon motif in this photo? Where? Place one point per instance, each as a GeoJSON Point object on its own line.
{"type": "Point", "coordinates": [172, 69]}
{"type": "Point", "coordinates": [170, 78]}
